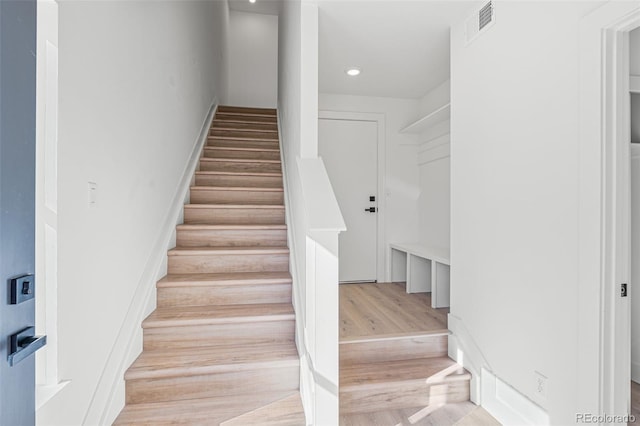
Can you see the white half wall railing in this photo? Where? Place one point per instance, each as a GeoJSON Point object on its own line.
{"type": "Point", "coordinates": [314, 222]}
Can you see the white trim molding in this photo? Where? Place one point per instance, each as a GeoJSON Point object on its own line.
{"type": "Point", "coordinates": [464, 350]}
{"type": "Point", "coordinates": [507, 405]}
{"type": "Point", "coordinates": [378, 118]}
{"type": "Point", "coordinates": [603, 316]}
{"type": "Point", "coordinates": [108, 398]}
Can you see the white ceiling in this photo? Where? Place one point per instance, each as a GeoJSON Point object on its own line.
{"type": "Point", "coordinates": [402, 47]}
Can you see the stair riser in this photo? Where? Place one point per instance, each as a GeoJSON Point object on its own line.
{"type": "Point", "coordinates": [393, 350]}
{"type": "Point", "coordinates": [239, 167]}
{"type": "Point", "coordinates": [267, 127]}
{"type": "Point", "coordinates": [239, 180]}
{"type": "Point", "coordinates": [394, 396]}
{"type": "Point", "coordinates": [256, 332]}
{"type": "Point", "coordinates": [232, 238]}
{"type": "Point", "coordinates": [222, 216]}
{"type": "Point", "coordinates": [269, 112]}
{"type": "Point", "coordinates": [244, 134]}
{"type": "Point", "coordinates": [245, 118]}
{"type": "Point", "coordinates": [205, 386]}
{"type": "Point", "coordinates": [207, 196]}
{"type": "Point", "coordinates": [239, 143]}
{"type": "Point", "coordinates": [192, 264]}
{"type": "Point", "coordinates": [224, 295]}
{"type": "Point", "coordinates": [250, 155]}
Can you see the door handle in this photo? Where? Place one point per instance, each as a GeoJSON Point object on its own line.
{"type": "Point", "coordinates": [23, 344]}
{"type": "Point", "coordinates": [370, 210]}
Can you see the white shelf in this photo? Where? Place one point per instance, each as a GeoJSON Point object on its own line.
{"type": "Point", "coordinates": [438, 116]}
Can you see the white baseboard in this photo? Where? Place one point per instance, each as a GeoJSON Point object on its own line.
{"type": "Point", "coordinates": [464, 350]}
{"type": "Point", "coordinates": [108, 398]}
{"type": "Point", "coordinates": [507, 405]}
{"type": "Point", "coordinates": [306, 374]}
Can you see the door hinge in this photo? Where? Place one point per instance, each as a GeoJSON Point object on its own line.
{"type": "Point", "coordinates": [623, 290]}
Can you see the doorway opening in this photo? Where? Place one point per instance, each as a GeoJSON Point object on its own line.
{"type": "Point", "coordinates": [634, 95]}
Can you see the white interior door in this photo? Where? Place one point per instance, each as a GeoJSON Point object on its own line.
{"type": "Point", "coordinates": [349, 149]}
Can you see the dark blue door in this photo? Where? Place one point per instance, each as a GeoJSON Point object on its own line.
{"type": "Point", "coordinates": [17, 211]}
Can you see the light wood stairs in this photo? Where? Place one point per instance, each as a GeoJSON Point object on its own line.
{"type": "Point", "coordinates": [219, 349]}
{"type": "Point", "coordinates": [396, 372]}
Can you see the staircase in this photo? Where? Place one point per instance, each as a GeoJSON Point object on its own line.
{"type": "Point", "coordinates": [386, 373]}
{"type": "Point", "coordinates": [219, 349]}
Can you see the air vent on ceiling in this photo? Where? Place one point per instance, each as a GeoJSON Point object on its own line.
{"type": "Point", "coordinates": [479, 22]}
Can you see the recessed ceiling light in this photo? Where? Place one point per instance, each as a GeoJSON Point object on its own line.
{"type": "Point", "coordinates": [252, 1]}
{"type": "Point", "coordinates": [352, 72]}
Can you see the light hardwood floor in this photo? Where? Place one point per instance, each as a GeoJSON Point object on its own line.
{"type": "Point", "coordinates": [458, 414]}
{"type": "Point", "coordinates": [378, 309]}
{"type": "Point", "coordinates": [383, 328]}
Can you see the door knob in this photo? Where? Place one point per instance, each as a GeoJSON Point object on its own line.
{"type": "Point", "coordinates": [23, 344]}
{"type": "Point", "coordinates": [370, 210]}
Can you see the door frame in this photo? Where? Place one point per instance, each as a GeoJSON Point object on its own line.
{"type": "Point", "coordinates": [604, 209]}
{"type": "Point", "coordinates": [379, 119]}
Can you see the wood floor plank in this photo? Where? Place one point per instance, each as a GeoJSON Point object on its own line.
{"type": "Point", "coordinates": [385, 308]}
{"type": "Point", "coordinates": [208, 360]}
{"type": "Point", "coordinates": [200, 412]}
{"type": "Point", "coordinates": [193, 315]}
{"type": "Point", "coordinates": [284, 412]}
{"type": "Point", "coordinates": [437, 415]}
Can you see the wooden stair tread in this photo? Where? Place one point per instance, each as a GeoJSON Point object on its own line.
{"type": "Point", "coordinates": [195, 361]}
{"type": "Point", "coordinates": [178, 280]}
{"type": "Point", "coordinates": [244, 141]}
{"type": "Point", "coordinates": [240, 148]}
{"type": "Point", "coordinates": [226, 173]}
{"type": "Point", "coordinates": [190, 251]}
{"type": "Point", "coordinates": [382, 373]}
{"type": "Point", "coordinates": [230, 126]}
{"type": "Point", "coordinates": [230, 109]}
{"type": "Point", "coordinates": [237, 188]}
{"type": "Point", "coordinates": [237, 160]}
{"type": "Point", "coordinates": [246, 119]}
{"type": "Point", "coordinates": [221, 314]}
{"type": "Point", "coordinates": [244, 138]}
{"type": "Point", "coordinates": [204, 411]}
{"type": "Point", "coordinates": [392, 336]}
{"type": "Point", "coordinates": [284, 412]}
{"type": "Point", "coordinates": [235, 206]}
{"type": "Point", "coordinates": [195, 227]}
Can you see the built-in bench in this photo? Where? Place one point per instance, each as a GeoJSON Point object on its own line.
{"type": "Point", "coordinates": [425, 269]}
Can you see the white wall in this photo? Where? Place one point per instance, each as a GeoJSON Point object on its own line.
{"type": "Point", "coordinates": [434, 162]}
{"type": "Point", "coordinates": [136, 82]}
{"type": "Point", "coordinates": [401, 167]}
{"type": "Point", "coordinates": [514, 197]}
{"type": "Point", "coordinates": [253, 59]}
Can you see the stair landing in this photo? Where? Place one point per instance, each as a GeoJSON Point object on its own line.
{"type": "Point", "coordinates": [394, 367]}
